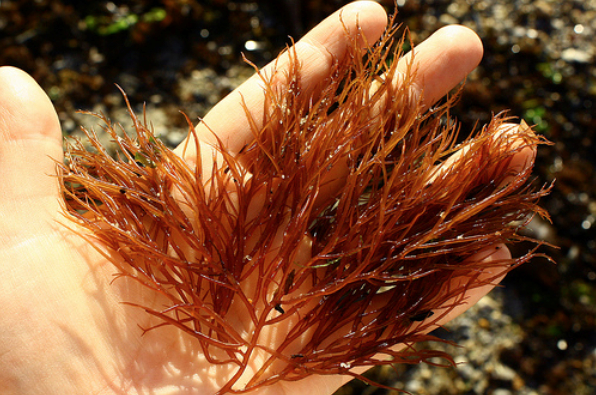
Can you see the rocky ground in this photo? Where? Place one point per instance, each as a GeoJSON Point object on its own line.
{"type": "Point", "coordinates": [537, 334]}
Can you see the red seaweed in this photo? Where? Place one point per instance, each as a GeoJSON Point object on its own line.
{"type": "Point", "coordinates": [344, 222]}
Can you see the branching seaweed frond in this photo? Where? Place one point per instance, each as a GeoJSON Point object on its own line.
{"type": "Point", "coordinates": [353, 217]}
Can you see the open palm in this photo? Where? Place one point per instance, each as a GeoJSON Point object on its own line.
{"type": "Point", "coordinates": [64, 329]}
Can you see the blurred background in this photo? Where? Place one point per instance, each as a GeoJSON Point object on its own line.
{"type": "Point", "coordinates": [534, 335]}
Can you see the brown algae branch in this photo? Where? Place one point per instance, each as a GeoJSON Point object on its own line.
{"type": "Point", "coordinates": [352, 223]}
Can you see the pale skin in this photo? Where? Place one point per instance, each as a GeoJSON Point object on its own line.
{"type": "Point", "coordinates": [64, 329]}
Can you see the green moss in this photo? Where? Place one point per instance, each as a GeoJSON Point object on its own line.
{"type": "Point", "coordinates": [108, 25]}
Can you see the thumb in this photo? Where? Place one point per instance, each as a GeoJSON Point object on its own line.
{"type": "Point", "coordinates": [30, 143]}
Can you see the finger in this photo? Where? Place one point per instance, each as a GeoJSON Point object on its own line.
{"type": "Point", "coordinates": [432, 69]}
{"type": "Point", "coordinates": [486, 269]}
{"type": "Point", "coordinates": [512, 149]}
{"type": "Point", "coordinates": [315, 52]}
{"type": "Point", "coordinates": [521, 139]}
{"type": "Point", "coordinates": [494, 271]}
{"type": "Point", "coordinates": [492, 259]}
{"type": "Point", "coordinates": [442, 61]}
{"type": "Point", "coordinates": [30, 140]}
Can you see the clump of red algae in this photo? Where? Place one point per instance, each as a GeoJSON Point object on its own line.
{"type": "Point", "coordinates": [347, 274]}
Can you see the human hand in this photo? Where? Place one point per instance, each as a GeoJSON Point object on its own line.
{"type": "Point", "coordinates": [64, 328]}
